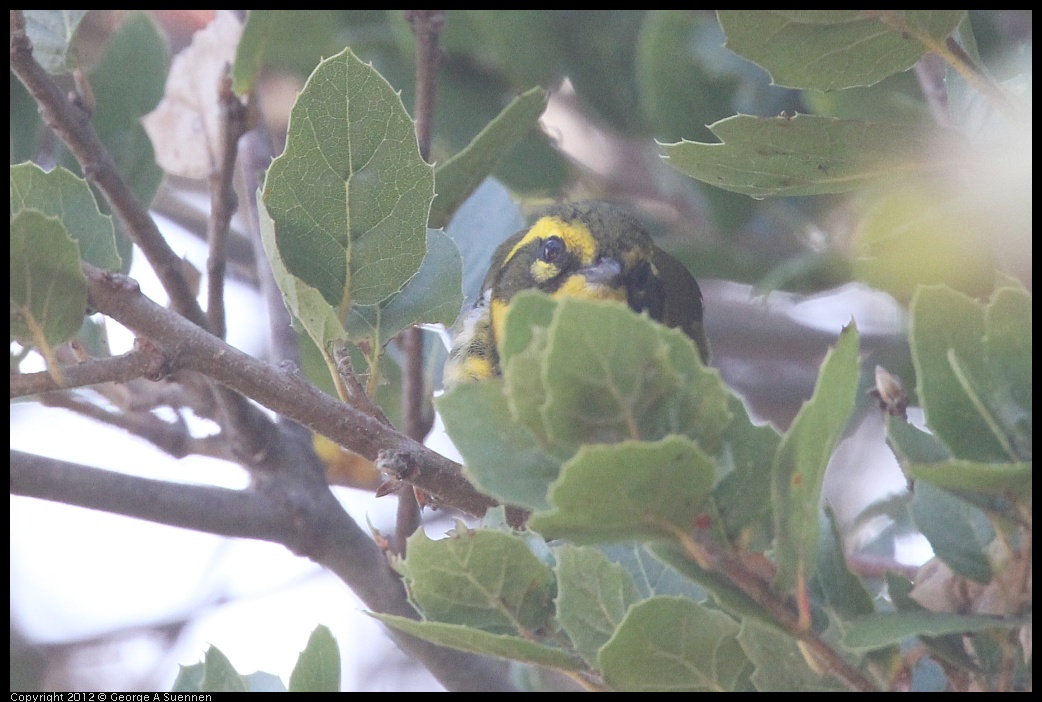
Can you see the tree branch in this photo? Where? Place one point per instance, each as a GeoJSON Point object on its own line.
{"type": "Point", "coordinates": [202, 508]}
{"type": "Point", "coordinates": [222, 202]}
{"type": "Point", "coordinates": [426, 27]}
{"type": "Point", "coordinates": [172, 438]}
{"type": "Point", "coordinates": [281, 390]}
{"type": "Point", "coordinates": [118, 369]}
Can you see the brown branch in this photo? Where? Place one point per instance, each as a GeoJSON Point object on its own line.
{"type": "Point", "coordinates": [222, 202]}
{"type": "Point", "coordinates": [118, 369]}
{"type": "Point", "coordinates": [426, 26]}
{"type": "Point", "coordinates": [173, 439]}
{"type": "Point", "coordinates": [356, 394]}
{"type": "Point", "coordinates": [202, 508]}
{"type": "Point", "coordinates": [280, 389]}
{"type": "Point", "coordinates": [710, 556]}
{"type": "Point", "coordinates": [75, 130]}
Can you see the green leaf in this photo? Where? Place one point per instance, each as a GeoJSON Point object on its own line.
{"type": "Point", "coordinates": [124, 96]}
{"type": "Point", "coordinates": [913, 445]}
{"type": "Point", "coordinates": [1008, 341]}
{"type": "Point", "coordinates": [480, 225]}
{"type": "Point", "coordinates": [958, 532]}
{"type": "Point", "coordinates": [949, 647]}
{"type": "Point", "coordinates": [295, 41]}
{"type": "Point", "coordinates": [601, 65]}
{"type": "Point", "coordinates": [318, 668]}
{"type": "Point", "coordinates": [967, 406]}
{"type": "Point", "coordinates": [835, 49]}
{"type": "Point", "coordinates": [743, 495]}
{"type": "Point", "coordinates": [895, 99]}
{"type": "Point", "coordinates": [466, 638]}
{"type": "Point", "coordinates": [121, 99]}
{"type": "Point", "coordinates": [989, 478]}
{"type": "Point", "coordinates": [26, 125]}
{"type": "Point", "coordinates": [724, 592]}
{"type": "Point", "coordinates": [526, 45]}
{"type": "Point", "coordinates": [780, 666]}
{"type": "Point", "coordinates": [629, 490]}
{"type": "Point", "coordinates": [460, 175]}
{"type": "Point", "coordinates": [923, 457]}
{"type": "Point", "coordinates": [803, 155]}
{"type": "Point", "coordinates": [189, 678]}
{"type": "Point", "coordinates": [843, 591]}
{"type": "Point", "coordinates": [579, 371]}
{"type": "Point", "coordinates": [260, 681]}
{"type": "Point", "coordinates": [687, 79]}
{"type": "Point", "coordinates": [317, 316]}
{"type": "Point", "coordinates": [260, 29]}
{"type": "Point", "coordinates": [608, 379]}
{"type": "Point", "coordinates": [51, 32]}
{"type": "Point", "coordinates": [670, 644]}
{"type": "Point", "coordinates": [470, 96]}
{"type": "Point", "coordinates": [799, 466]}
{"type": "Point", "coordinates": [678, 91]}
{"type": "Point", "coordinates": [192, 678]}
{"type": "Point", "coordinates": [219, 675]}
{"type": "Point", "coordinates": [63, 195]}
{"type": "Point", "coordinates": [593, 596]}
{"type": "Point", "coordinates": [501, 457]}
{"type": "Point", "coordinates": [529, 316]}
{"type": "Point", "coordinates": [484, 579]}
{"type": "Point", "coordinates": [350, 195]}
{"type": "Point", "coordinates": [887, 629]}
{"type": "Point", "coordinates": [48, 288]}
{"type": "Point", "coordinates": [433, 296]}
{"type": "Point", "coordinates": [651, 574]}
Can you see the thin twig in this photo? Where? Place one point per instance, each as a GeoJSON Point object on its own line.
{"type": "Point", "coordinates": [426, 26]}
{"type": "Point", "coordinates": [222, 201]}
{"type": "Point", "coordinates": [200, 508]}
{"type": "Point", "coordinates": [118, 369]}
{"type": "Point", "coordinates": [784, 612]}
{"type": "Point", "coordinates": [357, 395]}
{"type": "Point", "coordinates": [173, 439]}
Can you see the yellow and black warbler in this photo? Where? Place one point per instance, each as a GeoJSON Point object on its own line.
{"type": "Point", "coordinates": [586, 249]}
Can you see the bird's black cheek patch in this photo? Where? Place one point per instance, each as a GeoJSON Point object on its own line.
{"type": "Point", "coordinates": [646, 292]}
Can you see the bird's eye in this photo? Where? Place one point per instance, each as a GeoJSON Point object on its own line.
{"type": "Point", "coordinates": [552, 249]}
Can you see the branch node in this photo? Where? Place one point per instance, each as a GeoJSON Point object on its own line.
{"type": "Point", "coordinates": [121, 282]}
{"type": "Point", "coordinates": [159, 367]}
{"type": "Point", "coordinates": [397, 464]}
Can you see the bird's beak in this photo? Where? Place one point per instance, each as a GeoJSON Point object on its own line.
{"type": "Point", "coordinates": [599, 281]}
{"type": "Point", "coordinates": [605, 271]}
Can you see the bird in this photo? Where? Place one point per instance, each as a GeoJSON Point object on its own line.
{"type": "Point", "coordinates": [589, 249]}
